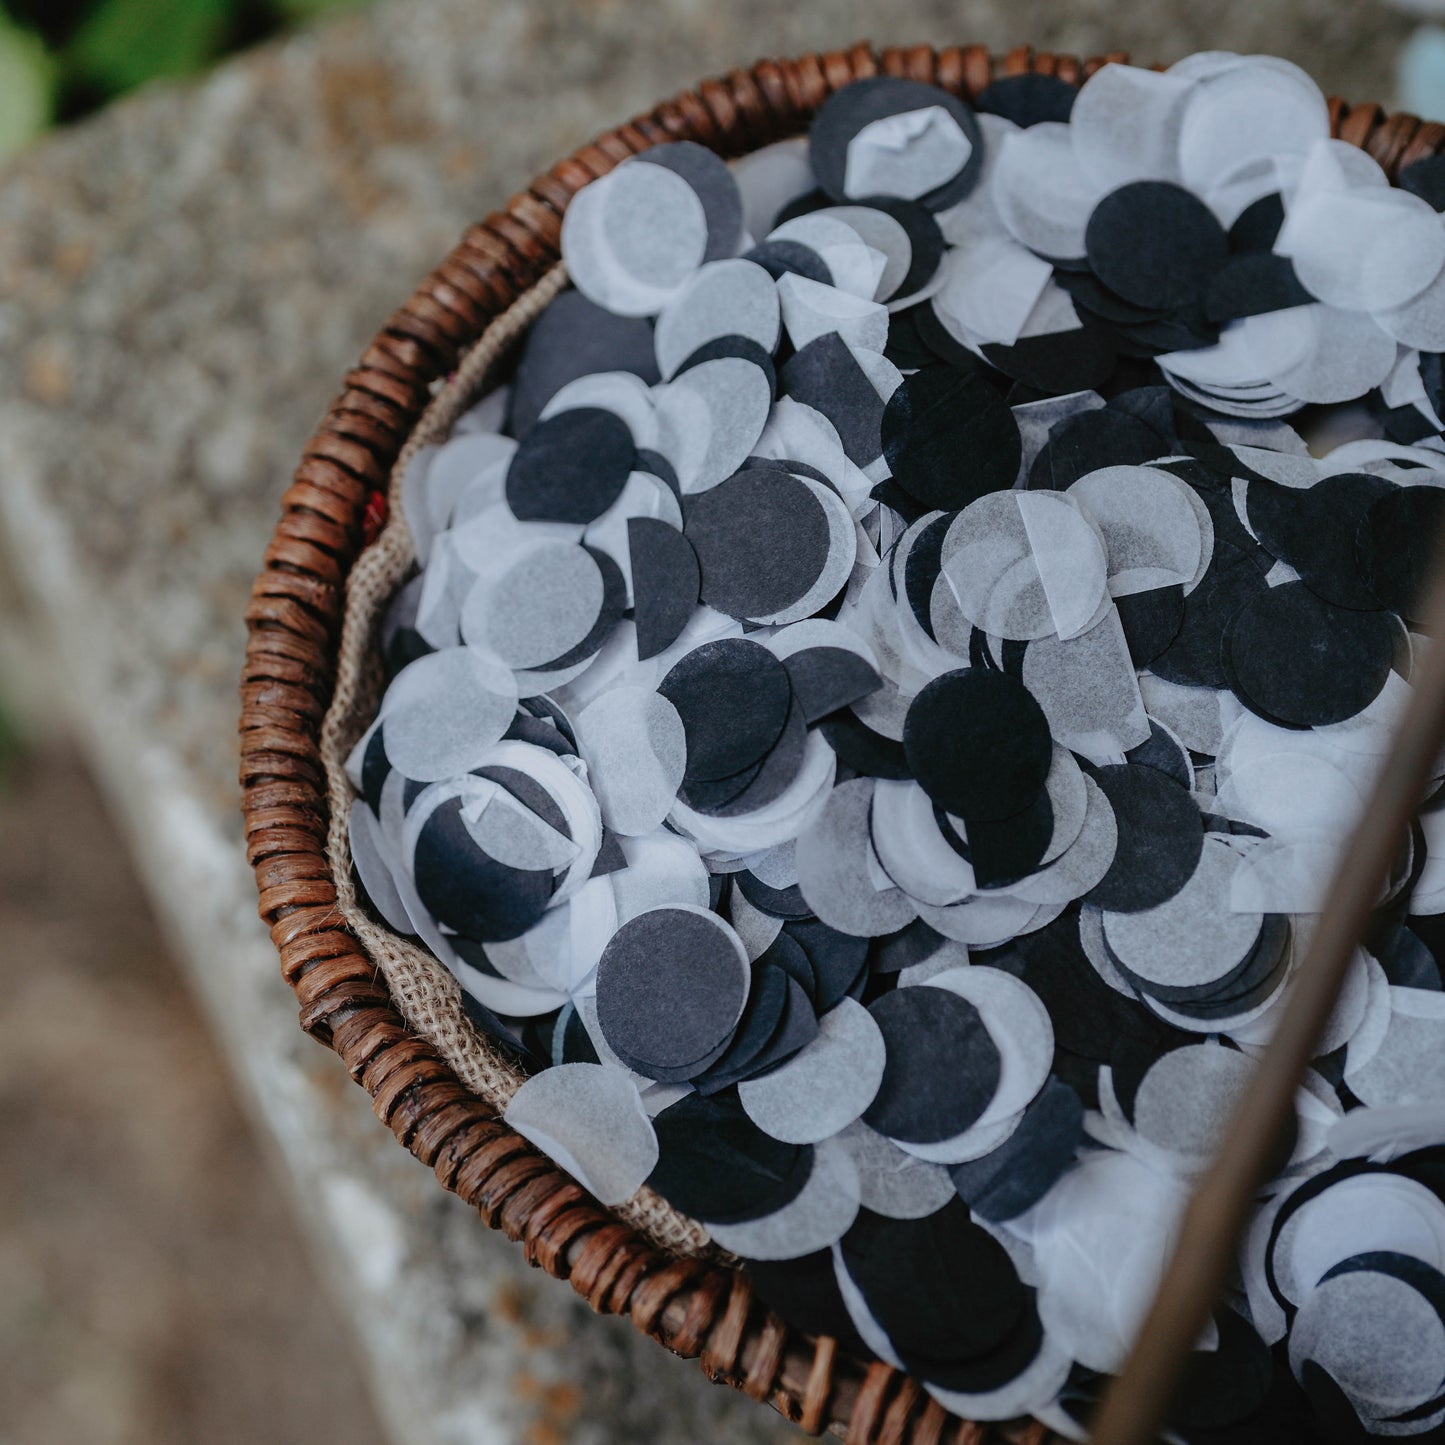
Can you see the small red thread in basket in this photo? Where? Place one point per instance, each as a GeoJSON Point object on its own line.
{"type": "Point", "coordinates": [373, 519]}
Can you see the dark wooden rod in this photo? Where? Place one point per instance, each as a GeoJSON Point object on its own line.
{"type": "Point", "coordinates": [1136, 1406]}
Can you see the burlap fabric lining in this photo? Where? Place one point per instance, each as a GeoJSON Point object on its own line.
{"type": "Point", "coordinates": [427, 995]}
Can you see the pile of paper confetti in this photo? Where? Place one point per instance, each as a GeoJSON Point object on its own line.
{"type": "Point", "coordinates": [885, 691]}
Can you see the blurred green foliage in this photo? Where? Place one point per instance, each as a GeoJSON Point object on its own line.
{"type": "Point", "coordinates": [60, 59]}
{"type": "Point", "coordinates": [27, 84]}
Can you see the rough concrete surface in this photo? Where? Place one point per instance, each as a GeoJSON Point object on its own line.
{"type": "Point", "coordinates": [183, 281]}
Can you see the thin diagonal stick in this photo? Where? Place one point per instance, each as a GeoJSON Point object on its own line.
{"type": "Point", "coordinates": [1136, 1406]}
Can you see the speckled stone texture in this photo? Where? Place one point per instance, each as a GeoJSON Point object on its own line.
{"type": "Point", "coordinates": [183, 281]}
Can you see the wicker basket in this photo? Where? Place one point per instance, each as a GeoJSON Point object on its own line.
{"type": "Point", "coordinates": [329, 514]}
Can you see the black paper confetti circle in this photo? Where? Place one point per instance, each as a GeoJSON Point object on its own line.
{"type": "Point", "coordinates": [884, 692]}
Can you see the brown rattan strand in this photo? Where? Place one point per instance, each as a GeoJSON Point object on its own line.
{"type": "Point", "coordinates": [695, 1309]}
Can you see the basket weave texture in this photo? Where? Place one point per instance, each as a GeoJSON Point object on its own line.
{"type": "Point", "coordinates": [426, 994]}
{"type": "Point", "coordinates": [695, 1307]}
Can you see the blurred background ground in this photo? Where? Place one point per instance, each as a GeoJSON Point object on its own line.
{"type": "Point", "coordinates": [182, 281]}
{"type": "Point", "coordinates": [154, 1287]}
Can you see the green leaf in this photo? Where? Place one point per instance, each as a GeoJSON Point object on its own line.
{"type": "Point", "coordinates": [125, 43]}
{"type": "Point", "coordinates": [27, 86]}
{"type": "Point", "coordinates": [299, 11]}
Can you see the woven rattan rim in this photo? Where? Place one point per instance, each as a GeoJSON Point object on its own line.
{"type": "Point", "coordinates": [695, 1309]}
{"type": "Point", "coordinates": [426, 994]}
